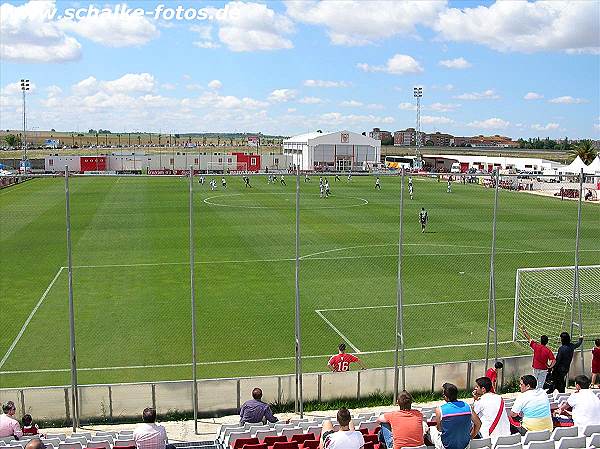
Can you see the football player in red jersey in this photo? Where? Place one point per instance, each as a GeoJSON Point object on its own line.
{"type": "Point", "coordinates": [342, 361]}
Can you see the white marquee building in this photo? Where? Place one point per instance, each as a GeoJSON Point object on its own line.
{"type": "Point", "coordinates": [340, 150]}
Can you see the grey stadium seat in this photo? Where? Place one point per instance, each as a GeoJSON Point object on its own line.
{"type": "Point", "coordinates": [591, 429]}
{"type": "Point", "coordinates": [480, 443]}
{"type": "Point", "coordinates": [540, 435]}
{"type": "Point", "coordinates": [128, 442]}
{"type": "Point", "coordinates": [510, 446]}
{"type": "Point", "coordinates": [70, 446]}
{"type": "Point", "coordinates": [561, 432]}
{"type": "Point", "coordinates": [60, 436]}
{"type": "Point", "coordinates": [507, 440]}
{"type": "Point", "coordinates": [261, 434]}
{"type": "Point", "coordinates": [541, 444]}
{"type": "Point", "coordinates": [595, 440]}
{"type": "Point", "coordinates": [53, 441]}
{"type": "Point", "coordinates": [98, 445]}
{"type": "Point", "coordinates": [572, 443]}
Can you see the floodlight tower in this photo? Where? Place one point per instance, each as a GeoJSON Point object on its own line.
{"type": "Point", "coordinates": [418, 94]}
{"type": "Point", "coordinates": [24, 88]}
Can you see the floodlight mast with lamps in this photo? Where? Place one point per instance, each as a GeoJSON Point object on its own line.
{"type": "Point", "coordinates": [418, 94]}
{"type": "Point", "coordinates": [24, 88]}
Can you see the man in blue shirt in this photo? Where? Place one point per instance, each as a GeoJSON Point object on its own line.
{"type": "Point", "coordinates": [456, 422]}
{"type": "Point", "coordinates": [255, 410]}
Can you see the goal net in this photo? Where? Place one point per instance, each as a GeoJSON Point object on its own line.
{"type": "Point", "coordinates": [545, 298]}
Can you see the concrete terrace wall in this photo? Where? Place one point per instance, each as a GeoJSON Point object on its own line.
{"type": "Point", "coordinates": [222, 396]}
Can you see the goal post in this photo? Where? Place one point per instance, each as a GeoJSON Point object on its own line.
{"type": "Point", "coordinates": [545, 298]}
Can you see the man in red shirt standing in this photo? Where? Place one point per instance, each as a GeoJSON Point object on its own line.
{"type": "Point", "coordinates": [342, 361]}
{"type": "Point", "coordinates": [543, 358]}
{"type": "Point", "coordinates": [492, 374]}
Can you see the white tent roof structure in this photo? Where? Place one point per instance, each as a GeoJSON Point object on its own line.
{"type": "Point", "coordinates": [594, 167]}
{"type": "Point", "coordinates": [576, 166]}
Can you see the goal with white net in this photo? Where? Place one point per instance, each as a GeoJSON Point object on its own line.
{"type": "Point", "coordinates": [546, 301]}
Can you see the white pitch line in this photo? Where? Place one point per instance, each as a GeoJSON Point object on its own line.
{"type": "Point", "coordinates": [311, 257]}
{"type": "Point", "coordinates": [226, 362]}
{"type": "Point", "coordinates": [338, 332]}
{"type": "Point", "coordinates": [419, 304]}
{"type": "Point", "coordinates": [29, 318]}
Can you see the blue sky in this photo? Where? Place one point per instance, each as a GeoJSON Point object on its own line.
{"type": "Point", "coordinates": [514, 68]}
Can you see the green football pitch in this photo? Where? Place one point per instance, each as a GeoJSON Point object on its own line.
{"type": "Point", "coordinates": [131, 273]}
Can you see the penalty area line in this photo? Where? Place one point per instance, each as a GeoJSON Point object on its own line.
{"type": "Point", "coordinates": [29, 318]}
{"type": "Point", "coordinates": [335, 329]}
{"type": "Point", "coordinates": [227, 362]}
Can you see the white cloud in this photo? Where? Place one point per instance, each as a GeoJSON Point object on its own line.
{"type": "Point", "coordinates": [252, 27]}
{"type": "Point", "coordinates": [546, 127]}
{"type": "Point", "coordinates": [442, 87]}
{"type": "Point", "coordinates": [526, 26]}
{"type": "Point", "coordinates": [168, 86]}
{"type": "Point", "coordinates": [489, 94]}
{"type": "Point", "coordinates": [310, 100]}
{"type": "Point", "coordinates": [204, 33]}
{"type": "Point", "coordinates": [443, 107]}
{"type": "Point", "coordinates": [29, 35]}
{"type": "Point", "coordinates": [375, 106]}
{"type": "Point", "coordinates": [130, 82]}
{"type": "Point", "coordinates": [458, 63]}
{"type": "Point", "coordinates": [339, 119]}
{"type": "Point", "coordinates": [396, 65]}
{"type": "Point", "coordinates": [352, 23]}
{"type": "Point", "coordinates": [215, 84]}
{"type": "Point", "coordinates": [406, 106]}
{"type": "Point", "coordinates": [113, 30]}
{"type": "Point", "coordinates": [567, 99]}
{"type": "Point", "coordinates": [290, 110]}
{"type": "Point", "coordinates": [351, 104]}
{"type": "Point", "coordinates": [435, 120]}
{"type": "Point", "coordinates": [215, 101]}
{"type": "Point", "coordinates": [491, 123]}
{"type": "Point", "coordinates": [325, 83]}
{"type": "Point", "coordinates": [282, 95]}
{"type": "Point", "coordinates": [533, 96]}
{"type": "Point", "coordinates": [15, 88]}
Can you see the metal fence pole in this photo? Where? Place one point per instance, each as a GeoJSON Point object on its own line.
{"type": "Point", "coordinates": [193, 300]}
{"type": "Point", "coordinates": [299, 396]}
{"type": "Point", "coordinates": [399, 301]}
{"type": "Point", "coordinates": [491, 321]}
{"type": "Point", "coordinates": [72, 349]}
{"type": "Point", "coordinates": [576, 291]}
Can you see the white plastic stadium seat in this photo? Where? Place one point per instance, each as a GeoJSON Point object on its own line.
{"type": "Point", "coordinates": [280, 426]}
{"type": "Point", "coordinates": [481, 443]}
{"type": "Point", "coordinates": [70, 446]}
{"type": "Point", "coordinates": [541, 445]}
{"type": "Point", "coordinates": [306, 425]}
{"type": "Point", "coordinates": [88, 435]}
{"type": "Point", "coordinates": [234, 436]}
{"type": "Point", "coordinates": [316, 430]}
{"type": "Point", "coordinates": [507, 440]}
{"type": "Point", "coordinates": [53, 441]}
{"type": "Point", "coordinates": [222, 428]}
{"type": "Point", "coordinates": [21, 443]}
{"type": "Point", "coordinates": [98, 445]}
{"type": "Point", "coordinates": [60, 436]}
{"type": "Point", "coordinates": [228, 431]}
{"type": "Point", "coordinates": [261, 434]}
{"type": "Point", "coordinates": [571, 443]}
{"type": "Point", "coordinates": [108, 438]}
{"type": "Point", "coordinates": [289, 432]}
{"type": "Point", "coordinates": [100, 433]}
{"type": "Point", "coordinates": [129, 442]}
{"type": "Point", "coordinates": [82, 440]}
{"type": "Point", "coordinates": [255, 428]}
{"type": "Point", "coordinates": [561, 432]}
{"type": "Point", "coordinates": [540, 435]}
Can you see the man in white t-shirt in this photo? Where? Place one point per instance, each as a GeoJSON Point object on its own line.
{"type": "Point", "coordinates": [584, 404]}
{"type": "Point", "coordinates": [490, 409]}
{"type": "Point", "coordinates": [346, 437]}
